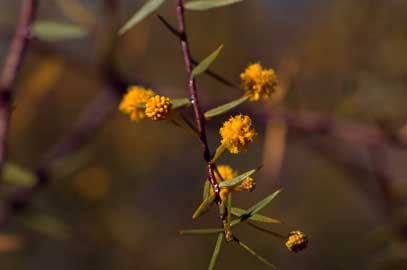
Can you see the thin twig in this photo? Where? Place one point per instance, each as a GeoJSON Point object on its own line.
{"type": "Point", "coordinates": [11, 69]}
{"type": "Point", "coordinates": [211, 73]}
{"type": "Point", "coordinates": [278, 235]}
{"type": "Point", "coordinates": [171, 28]}
{"type": "Point", "coordinates": [199, 118]}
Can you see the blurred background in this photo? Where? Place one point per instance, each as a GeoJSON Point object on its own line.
{"type": "Point", "coordinates": [333, 137]}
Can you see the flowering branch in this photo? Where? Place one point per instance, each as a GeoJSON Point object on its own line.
{"type": "Point", "coordinates": [199, 118]}
{"type": "Point", "coordinates": [10, 70]}
{"type": "Point", "coordinates": [311, 123]}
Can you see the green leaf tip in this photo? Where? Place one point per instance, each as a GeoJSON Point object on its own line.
{"type": "Point", "coordinates": [199, 231]}
{"type": "Point", "coordinates": [237, 180]}
{"type": "Point", "coordinates": [178, 103]}
{"type": "Point", "coordinates": [260, 205]}
{"type": "Point", "coordinates": [52, 31]}
{"type": "Point", "coordinates": [203, 207]}
{"type": "Point", "coordinates": [14, 174]}
{"type": "Point", "coordinates": [257, 256]}
{"type": "Point", "coordinates": [206, 190]}
{"type": "Point", "coordinates": [225, 107]}
{"type": "Point", "coordinates": [204, 64]}
{"type": "Point", "coordinates": [201, 5]}
{"type": "Point", "coordinates": [256, 217]}
{"type": "Point", "coordinates": [216, 251]}
{"type": "Point", "coordinates": [149, 7]}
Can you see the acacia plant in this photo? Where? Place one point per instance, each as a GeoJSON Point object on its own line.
{"type": "Point", "coordinates": [236, 134]}
{"type": "Point", "coordinates": [139, 103]}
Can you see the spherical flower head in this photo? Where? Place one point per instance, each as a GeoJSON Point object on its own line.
{"type": "Point", "coordinates": [237, 133]}
{"type": "Point", "coordinates": [258, 82]}
{"type": "Point", "coordinates": [158, 107]}
{"type": "Point", "coordinates": [297, 241]}
{"type": "Point", "coordinates": [131, 101]}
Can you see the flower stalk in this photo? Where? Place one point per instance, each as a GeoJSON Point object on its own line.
{"type": "Point", "coordinates": [199, 118]}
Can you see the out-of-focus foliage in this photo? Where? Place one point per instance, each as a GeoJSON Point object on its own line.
{"type": "Point", "coordinates": [140, 183]}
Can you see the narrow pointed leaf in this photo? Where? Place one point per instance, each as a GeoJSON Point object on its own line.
{"type": "Point", "coordinates": [200, 231]}
{"type": "Point", "coordinates": [176, 103]}
{"type": "Point", "coordinates": [216, 251]}
{"type": "Point", "coordinates": [260, 205]}
{"type": "Point", "coordinates": [256, 217]}
{"type": "Point", "coordinates": [149, 7]}
{"type": "Point", "coordinates": [219, 151]}
{"type": "Point", "coordinates": [204, 64]}
{"type": "Point", "coordinates": [179, 103]}
{"type": "Point", "coordinates": [56, 31]}
{"type": "Point", "coordinates": [237, 180]}
{"type": "Point", "coordinates": [16, 175]}
{"type": "Point", "coordinates": [203, 207]}
{"type": "Point", "coordinates": [206, 190]}
{"type": "Point", "coordinates": [48, 225]}
{"type": "Point", "coordinates": [257, 256]}
{"type": "Point", "coordinates": [200, 5]}
{"type": "Point", "coordinates": [225, 107]}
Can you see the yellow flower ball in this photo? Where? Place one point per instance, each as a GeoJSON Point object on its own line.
{"type": "Point", "coordinates": [237, 133]}
{"type": "Point", "coordinates": [258, 82]}
{"type": "Point", "coordinates": [158, 107]}
{"type": "Point", "coordinates": [297, 241]}
{"type": "Point", "coordinates": [131, 102]}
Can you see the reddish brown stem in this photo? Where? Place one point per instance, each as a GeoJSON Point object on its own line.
{"type": "Point", "coordinates": [11, 68]}
{"type": "Point", "coordinates": [199, 118]}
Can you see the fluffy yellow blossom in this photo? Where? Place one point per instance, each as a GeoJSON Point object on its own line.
{"type": "Point", "coordinates": [297, 241]}
{"type": "Point", "coordinates": [258, 82]}
{"type": "Point", "coordinates": [135, 97]}
{"type": "Point", "coordinates": [158, 107]}
{"type": "Point", "coordinates": [236, 133]}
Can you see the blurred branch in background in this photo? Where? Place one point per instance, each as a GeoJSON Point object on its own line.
{"type": "Point", "coordinates": [11, 69]}
{"type": "Point", "coordinates": [87, 125]}
{"type": "Point", "coordinates": [360, 149]}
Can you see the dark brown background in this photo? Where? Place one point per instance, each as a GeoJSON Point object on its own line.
{"type": "Point", "coordinates": [139, 183]}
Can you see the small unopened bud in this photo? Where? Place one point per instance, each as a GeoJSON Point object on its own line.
{"type": "Point", "coordinates": [249, 184]}
{"type": "Point", "coordinates": [296, 241]}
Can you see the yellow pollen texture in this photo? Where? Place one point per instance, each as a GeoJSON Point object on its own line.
{"type": "Point", "coordinates": [131, 101]}
{"type": "Point", "coordinates": [258, 82]}
{"type": "Point", "coordinates": [297, 241]}
{"type": "Point", "coordinates": [237, 133]}
{"type": "Point", "coordinates": [158, 107]}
